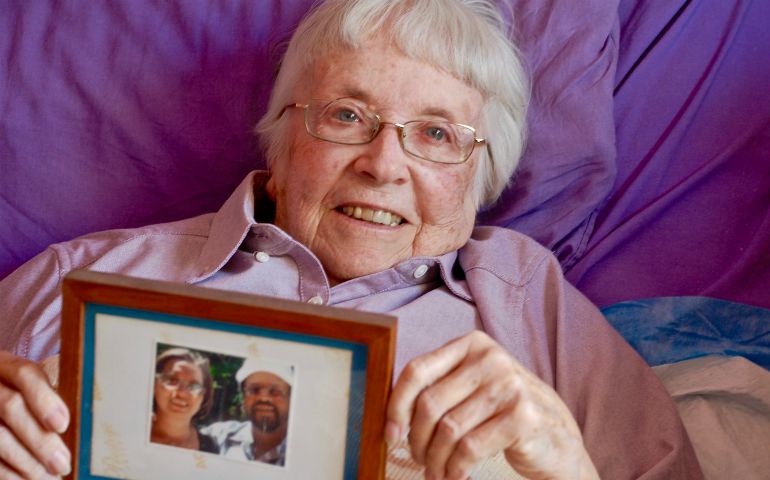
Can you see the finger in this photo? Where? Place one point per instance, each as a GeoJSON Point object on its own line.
{"type": "Point", "coordinates": [15, 460]}
{"type": "Point", "coordinates": [7, 474]}
{"type": "Point", "coordinates": [477, 409]}
{"type": "Point", "coordinates": [30, 380]}
{"type": "Point", "coordinates": [500, 388]}
{"type": "Point", "coordinates": [482, 442]}
{"type": "Point", "coordinates": [416, 376]}
{"type": "Point", "coordinates": [23, 432]}
{"type": "Point", "coordinates": [433, 403]}
{"type": "Point", "coordinates": [540, 432]}
{"type": "Point", "coordinates": [435, 412]}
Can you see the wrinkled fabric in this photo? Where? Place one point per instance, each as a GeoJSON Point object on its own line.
{"type": "Point", "coordinates": [501, 282]}
{"type": "Point", "coordinates": [568, 168]}
{"type": "Point", "coordinates": [725, 406]}
{"type": "Point", "coordinates": [127, 113]}
{"type": "Point", "coordinates": [689, 212]}
{"type": "Point", "coordinates": [672, 329]}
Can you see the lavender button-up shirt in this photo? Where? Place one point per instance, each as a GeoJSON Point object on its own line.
{"type": "Point", "coordinates": [501, 282]}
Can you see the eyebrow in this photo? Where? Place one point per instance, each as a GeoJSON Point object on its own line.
{"type": "Point", "coordinates": [355, 92]}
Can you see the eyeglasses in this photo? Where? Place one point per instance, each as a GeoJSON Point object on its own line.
{"type": "Point", "coordinates": [272, 391]}
{"type": "Point", "coordinates": [349, 122]}
{"type": "Point", "coordinates": [172, 383]}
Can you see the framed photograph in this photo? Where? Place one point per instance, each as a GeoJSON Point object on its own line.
{"type": "Point", "coordinates": [167, 380]}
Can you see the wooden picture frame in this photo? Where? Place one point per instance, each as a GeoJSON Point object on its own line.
{"type": "Point", "coordinates": [114, 327]}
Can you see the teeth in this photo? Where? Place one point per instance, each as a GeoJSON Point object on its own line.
{"type": "Point", "coordinates": [375, 216]}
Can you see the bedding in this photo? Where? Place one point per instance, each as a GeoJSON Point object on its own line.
{"type": "Point", "coordinates": [647, 169]}
{"type": "Point", "coordinates": [724, 402]}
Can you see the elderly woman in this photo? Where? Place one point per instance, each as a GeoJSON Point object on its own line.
{"type": "Point", "coordinates": [183, 394]}
{"type": "Point", "coordinates": [390, 125]}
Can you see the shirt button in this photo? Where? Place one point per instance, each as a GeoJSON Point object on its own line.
{"type": "Point", "coordinates": [420, 271]}
{"type": "Point", "coordinates": [317, 300]}
{"type": "Point", "coordinates": [261, 257]}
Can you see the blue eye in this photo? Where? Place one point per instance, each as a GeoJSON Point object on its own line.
{"type": "Point", "coordinates": [347, 116]}
{"type": "Point", "coordinates": [435, 133]}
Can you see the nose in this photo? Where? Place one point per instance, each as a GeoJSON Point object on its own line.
{"type": "Point", "coordinates": [383, 160]}
{"type": "Point", "coordinates": [181, 392]}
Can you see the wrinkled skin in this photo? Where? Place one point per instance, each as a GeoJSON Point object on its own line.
{"type": "Point", "coordinates": [318, 177]}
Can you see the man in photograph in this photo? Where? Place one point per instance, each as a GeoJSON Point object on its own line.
{"type": "Point", "coordinates": [266, 390]}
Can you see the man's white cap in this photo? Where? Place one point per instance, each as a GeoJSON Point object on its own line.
{"type": "Point", "coordinates": [256, 364]}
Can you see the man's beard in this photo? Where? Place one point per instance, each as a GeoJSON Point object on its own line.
{"type": "Point", "coordinates": [263, 422]}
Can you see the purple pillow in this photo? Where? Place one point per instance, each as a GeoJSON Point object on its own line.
{"type": "Point", "coordinates": [120, 114]}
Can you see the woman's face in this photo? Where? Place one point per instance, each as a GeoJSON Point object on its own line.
{"type": "Point", "coordinates": [320, 183]}
{"type": "Point", "coordinates": [176, 398]}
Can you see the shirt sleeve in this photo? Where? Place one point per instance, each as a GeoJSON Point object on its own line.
{"type": "Point", "coordinates": [630, 425]}
{"type": "Point", "coordinates": [30, 300]}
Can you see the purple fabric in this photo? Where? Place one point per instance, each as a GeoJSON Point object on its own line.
{"type": "Point", "coordinates": [127, 113]}
{"type": "Point", "coordinates": [568, 167]}
{"type": "Point", "coordinates": [688, 214]}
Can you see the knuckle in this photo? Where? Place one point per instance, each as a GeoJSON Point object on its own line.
{"type": "Point", "coordinates": [413, 372]}
{"type": "Point", "coordinates": [449, 427]}
{"type": "Point", "coordinates": [45, 443]}
{"type": "Point", "coordinates": [470, 448]}
{"type": "Point", "coordinates": [11, 404]}
{"type": "Point", "coordinates": [497, 359]}
{"type": "Point", "coordinates": [27, 372]}
{"type": "Point", "coordinates": [456, 473]}
{"type": "Point", "coordinates": [480, 337]}
{"type": "Point", "coordinates": [428, 405]}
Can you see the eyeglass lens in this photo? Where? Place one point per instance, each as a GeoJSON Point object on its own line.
{"type": "Point", "coordinates": [173, 383]}
{"type": "Point", "coordinates": [347, 121]}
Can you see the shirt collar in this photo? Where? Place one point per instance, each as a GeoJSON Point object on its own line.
{"type": "Point", "coordinates": [453, 275]}
{"type": "Point", "coordinates": [244, 438]}
{"type": "Point", "coordinates": [233, 222]}
{"type": "Point", "coordinates": [230, 225]}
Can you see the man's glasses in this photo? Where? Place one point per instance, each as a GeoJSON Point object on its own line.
{"type": "Point", "coordinates": [347, 121]}
{"type": "Point", "coordinates": [272, 391]}
{"type": "Point", "coordinates": [169, 382]}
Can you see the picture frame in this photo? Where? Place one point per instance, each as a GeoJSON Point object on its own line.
{"type": "Point", "coordinates": [301, 389]}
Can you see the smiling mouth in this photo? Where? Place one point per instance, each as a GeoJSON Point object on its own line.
{"type": "Point", "coordinates": [381, 217]}
{"type": "Point", "coordinates": [180, 404]}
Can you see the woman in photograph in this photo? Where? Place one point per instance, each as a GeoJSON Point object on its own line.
{"type": "Point", "coordinates": [183, 394]}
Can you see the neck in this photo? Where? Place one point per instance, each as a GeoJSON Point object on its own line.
{"type": "Point", "coordinates": [264, 442]}
{"type": "Point", "coordinates": [172, 430]}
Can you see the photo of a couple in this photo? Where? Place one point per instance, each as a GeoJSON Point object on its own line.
{"type": "Point", "coordinates": [220, 404]}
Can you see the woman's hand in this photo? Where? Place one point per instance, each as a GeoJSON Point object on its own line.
{"type": "Point", "coordinates": [470, 399]}
{"type": "Point", "coordinates": [31, 414]}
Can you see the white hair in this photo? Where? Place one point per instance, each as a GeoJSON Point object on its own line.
{"type": "Point", "coordinates": [465, 38]}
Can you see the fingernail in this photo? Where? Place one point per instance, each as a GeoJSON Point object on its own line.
{"type": "Point", "coordinates": [58, 419]}
{"type": "Point", "coordinates": [392, 433]}
{"type": "Point", "coordinates": [59, 463]}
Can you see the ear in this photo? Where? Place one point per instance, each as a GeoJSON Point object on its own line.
{"type": "Point", "coordinates": [270, 187]}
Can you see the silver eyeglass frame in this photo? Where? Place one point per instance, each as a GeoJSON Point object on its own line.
{"type": "Point", "coordinates": [401, 133]}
